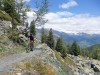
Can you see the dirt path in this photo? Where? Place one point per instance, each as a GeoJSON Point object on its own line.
{"type": "Point", "coordinates": [5, 63]}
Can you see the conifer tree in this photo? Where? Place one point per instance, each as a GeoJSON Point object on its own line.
{"type": "Point", "coordinates": [75, 49]}
{"type": "Point", "coordinates": [10, 8]}
{"type": "Point", "coordinates": [43, 36]}
{"type": "Point", "coordinates": [32, 28]}
{"type": "Point", "coordinates": [60, 47]}
{"type": "Point", "coordinates": [95, 53]}
{"type": "Point", "coordinates": [84, 52]}
{"type": "Point", "coordinates": [42, 9]}
{"type": "Point", "coordinates": [22, 8]}
{"type": "Point", "coordinates": [68, 47]}
{"type": "Point", "coordinates": [50, 39]}
{"type": "Point", "coordinates": [63, 52]}
{"type": "Point", "coordinates": [1, 4]}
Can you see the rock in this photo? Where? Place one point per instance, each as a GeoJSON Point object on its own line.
{"type": "Point", "coordinates": [4, 26]}
{"type": "Point", "coordinates": [85, 66]}
{"type": "Point", "coordinates": [96, 65]}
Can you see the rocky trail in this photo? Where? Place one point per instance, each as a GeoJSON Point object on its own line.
{"type": "Point", "coordinates": [7, 62]}
{"type": "Point", "coordinates": [44, 53]}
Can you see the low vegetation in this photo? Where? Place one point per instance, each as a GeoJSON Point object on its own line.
{"type": "Point", "coordinates": [5, 16]}
{"type": "Point", "coordinates": [31, 67]}
{"type": "Point", "coordinates": [59, 58]}
{"type": "Point", "coordinates": [7, 47]}
{"type": "Point", "coordinates": [44, 69]}
{"type": "Point", "coordinates": [66, 60]}
{"type": "Point", "coordinates": [69, 61]}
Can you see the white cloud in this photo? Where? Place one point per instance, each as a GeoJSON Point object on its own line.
{"type": "Point", "coordinates": [31, 15]}
{"type": "Point", "coordinates": [64, 14]}
{"type": "Point", "coordinates": [73, 24]}
{"type": "Point", "coordinates": [27, 0]}
{"type": "Point", "coordinates": [58, 15]}
{"type": "Point", "coordinates": [71, 3]}
{"type": "Point", "coordinates": [23, 0]}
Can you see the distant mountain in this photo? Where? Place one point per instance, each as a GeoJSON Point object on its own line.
{"type": "Point", "coordinates": [83, 39]}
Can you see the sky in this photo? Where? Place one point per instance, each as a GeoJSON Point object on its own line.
{"type": "Point", "coordinates": [71, 16]}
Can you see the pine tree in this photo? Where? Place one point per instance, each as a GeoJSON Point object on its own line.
{"type": "Point", "coordinates": [32, 28]}
{"type": "Point", "coordinates": [68, 47]}
{"type": "Point", "coordinates": [84, 52]}
{"type": "Point", "coordinates": [43, 36]}
{"type": "Point", "coordinates": [96, 53]}
{"type": "Point", "coordinates": [22, 8]}
{"type": "Point", "coordinates": [60, 47]}
{"type": "Point", "coordinates": [1, 4]}
{"type": "Point", "coordinates": [63, 52]}
{"type": "Point", "coordinates": [42, 9]}
{"type": "Point", "coordinates": [75, 49]}
{"type": "Point", "coordinates": [50, 39]}
{"type": "Point", "coordinates": [10, 8]}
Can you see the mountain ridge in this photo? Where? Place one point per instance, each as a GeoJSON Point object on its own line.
{"type": "Point", "coordinates": [84, 40]}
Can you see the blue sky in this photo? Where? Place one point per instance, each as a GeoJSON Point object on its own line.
{"type": "Point", "coordinates": [72, 16]}
{"type": "Point", "coordinates": [83, 6]}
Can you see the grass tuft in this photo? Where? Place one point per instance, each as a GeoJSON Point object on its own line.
{"type": "Point", "coordinates": [44, 69]}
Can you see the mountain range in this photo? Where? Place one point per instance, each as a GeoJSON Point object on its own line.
{"type": "Point", "coordinates": [83, 39]}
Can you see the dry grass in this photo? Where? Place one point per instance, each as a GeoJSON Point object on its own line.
{"type": "Point", "coordinates": [65, 60]}
{"type": "Point", "coordinates": [69, 61]}
{"type": "Point", "coordinates": [38, 68]}
{"type": "Point", "coordinates": [44, 69]}
{"type": "Point", "coordinates": [59, 58]}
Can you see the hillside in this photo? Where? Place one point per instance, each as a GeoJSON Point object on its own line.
{"type": "Point", "coordinates": [94, 47]}
{"type": "Point", "coordinates": [42, 61]}
{"type": "Point", "coordinates": [95, 51]}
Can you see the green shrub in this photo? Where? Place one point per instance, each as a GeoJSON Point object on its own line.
{"type": "Point", "coordinates": [5, 16]}
{"type": "Point", "coordinates": [13, 35]}
{"type": "Point", "coordinates": [16, 22]}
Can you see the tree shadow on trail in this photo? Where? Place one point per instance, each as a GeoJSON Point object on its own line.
{"type": "Point", "coordinates": [37, 48]}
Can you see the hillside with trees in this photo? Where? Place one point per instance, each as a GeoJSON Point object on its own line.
{"type": "Point", "coordinates": [95, 51]}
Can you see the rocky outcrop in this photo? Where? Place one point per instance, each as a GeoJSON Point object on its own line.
{"type": "Point", "coordinates": [4, 26]}
{"type": "Point", "coordinates": [47, 56]}
{"type": "Point", "coordinates": [85, 66]}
